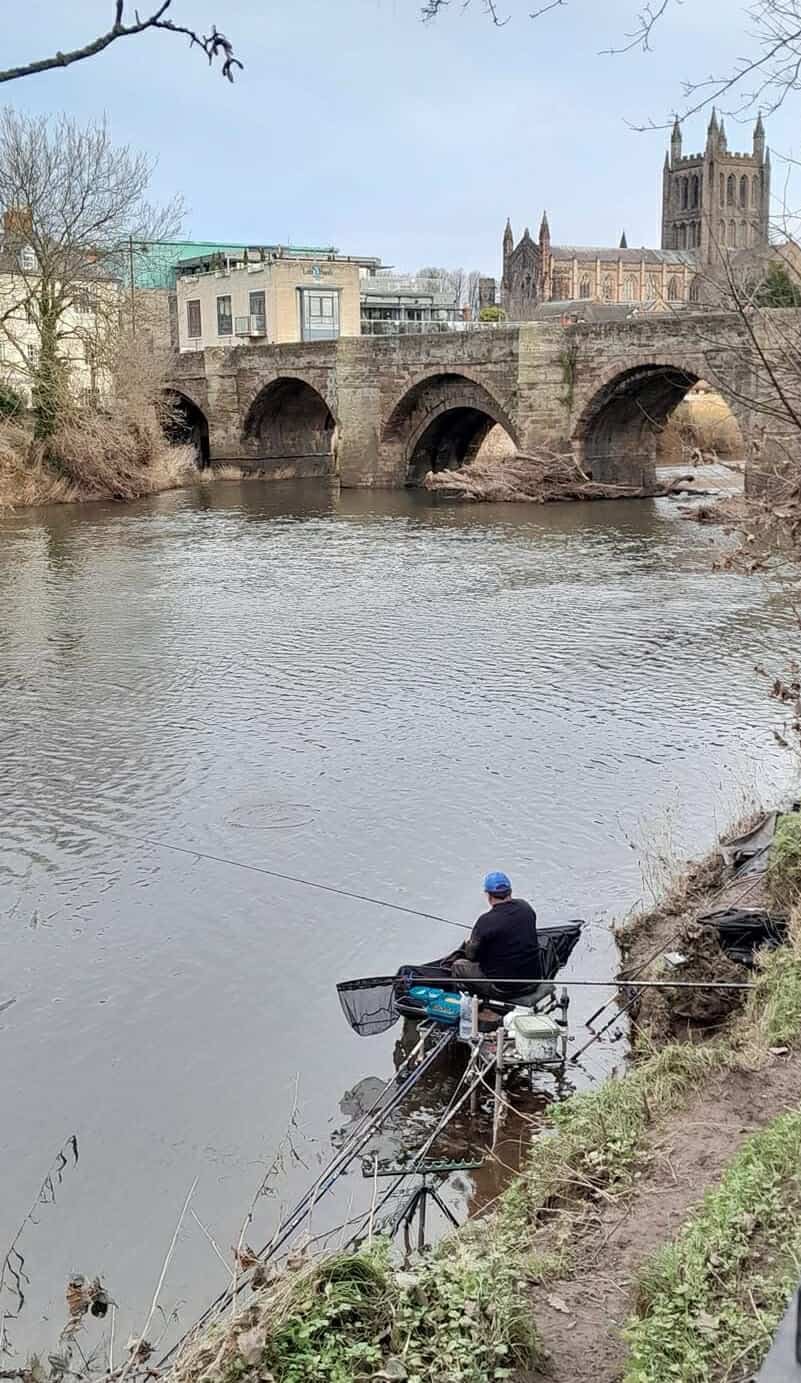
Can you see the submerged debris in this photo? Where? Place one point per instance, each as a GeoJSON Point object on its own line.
{"type": "Point", "coordinates": [539, 479]}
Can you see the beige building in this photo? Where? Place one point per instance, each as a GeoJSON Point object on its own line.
{"type": "Point", "coordinates": [271, 293]}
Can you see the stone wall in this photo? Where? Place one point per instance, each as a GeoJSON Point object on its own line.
{"type": "Point", "coordinates": [378, 410]}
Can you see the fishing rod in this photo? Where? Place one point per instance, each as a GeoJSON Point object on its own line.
{"type": "Point", "coordinates": [307, 883]}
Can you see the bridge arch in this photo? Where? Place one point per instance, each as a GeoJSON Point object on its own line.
{"type": "Point", "coordinates": [290, 420]}
{"type": "Point", "coordinates": [185, 422]}
{"type": "Point", "coordinates": [441, 422]}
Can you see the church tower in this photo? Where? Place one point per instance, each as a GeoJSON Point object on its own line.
{"type": "Point", "coordinates": [717, 199]}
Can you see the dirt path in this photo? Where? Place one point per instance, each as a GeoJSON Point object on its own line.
{"type": "Point", "coordinates": [689, 1152]}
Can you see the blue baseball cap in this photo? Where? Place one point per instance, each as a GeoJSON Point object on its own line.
{"type": "Point", "coordinates": [497, 882]}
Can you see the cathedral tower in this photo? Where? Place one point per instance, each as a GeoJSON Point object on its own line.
{"type": "Point", "coordinates": [716, 199]}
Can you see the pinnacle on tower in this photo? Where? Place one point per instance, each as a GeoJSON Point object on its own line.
{"type": "Point", "coordinates": [545, 230]}
{"type": "Point", "coordinates": [713, 131]}
{"type": "Point", "coordinates": [624, 244]}
{"type": "Point", "coordinates": [675, 139]}
{"type": "Point", "coordinates": [722, 135]}
{"type": "Point", "coordinates": [508, 238]}
{"type": "Point", "coordinates": [759, 138]}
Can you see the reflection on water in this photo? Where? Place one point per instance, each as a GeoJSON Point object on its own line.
{"type": "Point", "coordinates": [369, 691]}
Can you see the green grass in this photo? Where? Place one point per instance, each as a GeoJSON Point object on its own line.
{"type": "Point", "coordinates": [772, 1016]}
{"type": "Point", "coordinates": [710, 1301]}
{"type": "Point", "coordinates": [784, 863]}
{"type": "Point", "coordinates": [460, 1317]}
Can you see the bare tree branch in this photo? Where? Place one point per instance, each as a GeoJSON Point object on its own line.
{"type": "Point", "coordinates": [215, 45]}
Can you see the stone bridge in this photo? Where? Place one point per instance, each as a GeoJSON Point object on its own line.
{"type": "Point", "coordinates": [385, 411]}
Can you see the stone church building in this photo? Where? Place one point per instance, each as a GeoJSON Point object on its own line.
{"type": "Point", "coordinates": [711, 201]}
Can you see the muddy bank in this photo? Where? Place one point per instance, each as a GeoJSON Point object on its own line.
{"type": "Point", "coordinates": [583, 1314]}
{"type": "Point", "coordinates": [540, 479]}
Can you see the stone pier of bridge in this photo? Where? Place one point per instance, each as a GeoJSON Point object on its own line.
{"type": "Point", "coordinates": [384, 411]}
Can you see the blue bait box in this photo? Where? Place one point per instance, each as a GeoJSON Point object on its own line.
{"type": "Point", "coordinates": [438, 1003]}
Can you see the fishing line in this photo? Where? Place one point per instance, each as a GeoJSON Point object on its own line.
{"type": "Point", "coordinates": [306, 883]}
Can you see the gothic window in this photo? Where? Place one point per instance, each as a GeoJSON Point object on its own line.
{"type": "Point", "coordinates": [584, 286]}
{"type": "Point", "coordinates": [682, 237]}
{"type": "Point", "coordinates": [743, 240]}
{"type": "Point", "coordinates": [743, 191]}
{"type": "Point", "coordinates": [695, 190]}
{"type": "Point", "coordinates": [755, 191]}
{"type": "Point", "coordinates": [673, 289]}
{"type": "Point", "coordinates": [527, 285]}
{"type": "Point", "coordinates": [695, 291]}
{"type": "Point", "coordinates": [630, 288]}
{"type": "Point", "coordinates": [731, 188]}
{"type": "Point", "coordinates": [685, 190]}
{"type": "Point", "coordinates": [561, 288]}
{"type": "Point", "coordinates": [652, 287]}
{"type": "Point", "coordinates": [733, 235]}
{"type": "Point", "coordinates": [721, 234]}
{"type": "Point", "coordinates": [677, 190]}
{"type": "Point", "coordinates": [722, 190]}
{"type": "Point", "coordinates": [608, 288]}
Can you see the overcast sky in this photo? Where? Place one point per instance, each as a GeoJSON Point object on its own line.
{"type": "Point", "coordinates": [357, 125]}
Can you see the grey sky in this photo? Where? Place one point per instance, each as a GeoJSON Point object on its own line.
{"type": "Point", "coordinates": [355, 124]}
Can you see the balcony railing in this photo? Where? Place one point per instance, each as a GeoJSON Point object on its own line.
{"type": "Point", "coordinates": [254, 325]}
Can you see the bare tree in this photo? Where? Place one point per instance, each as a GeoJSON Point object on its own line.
{"type": "Point", "coordinates": [73, 206]}
{"type": "Point", "coordinates": [767, 73]}
{"type": "Point", "coordinates": [215, 45]}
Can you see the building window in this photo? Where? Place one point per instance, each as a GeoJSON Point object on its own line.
{"type": "Point", "coordinates": [695, 191]}
{"type": "Point", "coordinates": [225, 321]}
{"type": "Point", "coordinates": [673, 289]}
{"type": "Point", "coordinates": [682, 237]}
{"type": "Point", "coordinates": [652, 287]}
{"type": "Point", "coordinates": [85, 301]}
{"type": "Point", "coordinates": [194, 319]}
{"type": "Point", "coordinates": [743, 240]}
{"type": "Point", "coordinates": [608, 288]}
{"type": "Point", "coordinates": [733, 235]}
{"type": "Point", "coordinates": [32, 351]}
{"type": "Point", "coordinates": [755, 191]}
{"type": "Point", "coordinates": [561, 289]}
{"type": "Point", "coordinates": [630, 288]}
{"type": "Point", "coordinates": [731, 188]}
{"type": "Point", "coordinates": [319, 315]}
{"type": "Point", "coordinates": [743, 191]}
{"type": "Point", "coordinates": [257, 310]}
{"type": "Point", "coordinates": [27, 259]}
{"type": "Point", "coordinates": [584, 286]}
{"type": "Point", "coordinates": [722, 190]}
{"type": "Point", "coordinates": [721, 234]}
{"type": "Point", "coordinates": [695, 291]}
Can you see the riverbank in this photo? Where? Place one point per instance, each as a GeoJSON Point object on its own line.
{"type": "Point", "coordinates": [599, 1249]}
{"type": "Point", "coordinates": [94, 457]}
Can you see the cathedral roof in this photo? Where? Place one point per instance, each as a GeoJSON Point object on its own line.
{"type": "Point", "coordinates": [630, 256]}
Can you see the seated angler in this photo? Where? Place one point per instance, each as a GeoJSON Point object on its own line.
{"type": "Point", "coordinates": [503, 944]}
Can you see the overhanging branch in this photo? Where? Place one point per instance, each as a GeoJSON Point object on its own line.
{"type": "Point", "coordinates": [215, 45]}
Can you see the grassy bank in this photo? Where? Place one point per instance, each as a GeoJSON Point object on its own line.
{"type": "Point", "coordinates": [710, 1301]}
{"type": "Point", "coordinates": [92, 456]}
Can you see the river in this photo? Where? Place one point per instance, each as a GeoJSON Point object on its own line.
{"type": "Point", "coordinates": [371, 691]}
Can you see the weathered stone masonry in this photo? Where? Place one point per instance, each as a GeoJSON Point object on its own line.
{"type": "Point", "coordinates": [383, 411]}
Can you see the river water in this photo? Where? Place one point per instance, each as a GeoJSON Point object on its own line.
{"type": "Point", "coordinates": [369, 691]}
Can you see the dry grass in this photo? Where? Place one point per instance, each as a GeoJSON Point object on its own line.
{"type": "Point", "coordinates": [701, 423]}
{"type": "Point", "coordinates": [92, 456]}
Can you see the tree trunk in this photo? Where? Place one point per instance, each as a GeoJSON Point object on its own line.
{"type": "Point", "coordinates": [48, 393]}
